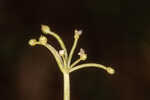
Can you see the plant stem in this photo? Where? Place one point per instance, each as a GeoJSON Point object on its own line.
{"type": "Point", "coordinates": [66, 86]}
{"type": "Point", "coordinates": [72, 51]}
{"type": "Point", "coordinates": [88, 65]}
{"type": "Point", "coordinates": [60, 42]}
{"type": "Point", "coordinates": [76, 62]}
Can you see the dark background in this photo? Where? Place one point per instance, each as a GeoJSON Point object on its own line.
{"type": "Point", "coordinates": [115, 33]}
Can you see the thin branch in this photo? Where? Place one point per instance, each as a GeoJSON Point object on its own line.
{"type": "Point", "coordinates": [88, 65]}
{"type": "Point", "coordinates": [75, 62]}
{"type": "Point", "coordinates": [55, 54]}
{"type": "Point", "coordinates": [72, 51]}
{"type": "Point", "coordinates": [58, 38]}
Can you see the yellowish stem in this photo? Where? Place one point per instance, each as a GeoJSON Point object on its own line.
{"type": "Point", "coordinates": [108, 69]}
{"type": "Point", "coordinates": [66, 87]}
{"type": "Point", "coordinates": [55, 54]}
{"type": "Point", "coordinates": [65, 64]}
{"type": "Point", "coordinates": [88, 65]}
{"type": "Point", "coordinates": [72, 51]}
{"type": "Point", "coordinates": [76, 62]}
{"type": "Point", "coordinates": [61, 43]}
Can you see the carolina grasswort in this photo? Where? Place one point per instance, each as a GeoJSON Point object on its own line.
{"type": "Point", "coordinates": [63, 59]}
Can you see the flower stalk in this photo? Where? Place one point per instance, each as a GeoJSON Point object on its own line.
{"type": "Point", "coordinates": [63, 60]}
{"type": "Point", "coordinates": [66, 87]}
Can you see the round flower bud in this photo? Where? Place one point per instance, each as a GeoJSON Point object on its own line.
{"type": "Point", "coordinates": [43, 40]}
{"type": "Point", "coordinates": [32, 42]}
{"type": "Point", "coordinates": [45, 29]}
{"type": "Point", "coordinates": [110, 70]}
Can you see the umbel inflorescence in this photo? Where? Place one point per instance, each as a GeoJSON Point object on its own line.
{"type": "Point", "coordinates": [63, 59]}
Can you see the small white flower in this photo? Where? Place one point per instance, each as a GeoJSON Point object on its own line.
{"type": "Point", "coordinates": [77, 33]}
{"type": "Point", "coordinates": [61, 52]}
{"type": "Point", "coordinates": [82, 54]}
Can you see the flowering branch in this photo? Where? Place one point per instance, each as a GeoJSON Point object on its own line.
{"type": "Point", "coordinates": [62, 59]}
{"type": "Point", "coordinates": [46, 30]}
{"type": "Point", "coordinates": [76, 38]}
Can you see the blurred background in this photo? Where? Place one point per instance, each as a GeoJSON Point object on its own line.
{"type": "Point", "coordinates": [115, 33]}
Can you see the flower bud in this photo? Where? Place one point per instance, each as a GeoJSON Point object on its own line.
{"type": "Point", "coordinates": [110, 70]}
{"type": "Point", "coordinates": [45, 29]}
{"type": "Point", "coordinates": [32, 42]}
{"type": "Point", "coordinates": [43, 40]}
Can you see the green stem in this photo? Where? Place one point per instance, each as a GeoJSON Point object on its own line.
{"type": "Point", "coordinates": [58, 38]}
{"type": "Point", "coordinates": [64, 60]}
{"type": "Point", "coordinates": [88, 65]}
{"type": "Point", "coordinates": [72, 51]}
{"type": "Point", "coordinates": [66, 87]}
{"type": "Point", "coordinates": [76, 62]}
{"type": "Point", "coordinates": [55, 54]}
